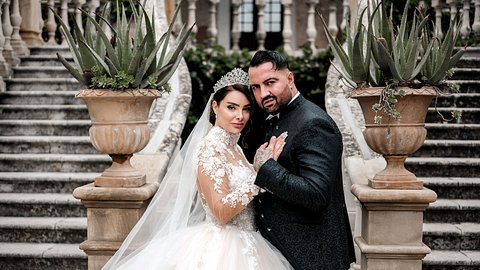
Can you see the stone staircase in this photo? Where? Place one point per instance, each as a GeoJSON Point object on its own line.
{"type": "Point", "coordinates": [45, 153]}
{"type": "Point", "coordinates": [449, 164]}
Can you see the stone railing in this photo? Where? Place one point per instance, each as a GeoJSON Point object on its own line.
{"type": "Point", "coordinates": [294, 23]}
{"type": "Point", "coordinates": [299, 22]}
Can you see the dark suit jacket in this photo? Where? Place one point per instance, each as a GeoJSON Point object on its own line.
{"type": "Point", "coordinates": [303, 212]}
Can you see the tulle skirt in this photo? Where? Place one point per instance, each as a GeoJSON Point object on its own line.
{"type": "Point", "coordinates": [208, 247]}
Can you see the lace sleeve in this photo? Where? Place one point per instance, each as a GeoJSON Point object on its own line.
{"type": "Point", "coordinates": [223, 201]}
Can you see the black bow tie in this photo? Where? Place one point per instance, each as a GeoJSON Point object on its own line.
{"type": "Point", "coordinates": [272, 121]}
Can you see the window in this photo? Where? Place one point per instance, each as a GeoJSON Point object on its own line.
{"type": "Point", "coordinates": [273, 16]}
{"type": "Point", "coordinates": [248, 22]}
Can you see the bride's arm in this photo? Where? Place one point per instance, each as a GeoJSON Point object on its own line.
{"type": "Point", "coordinates": [223, 202]}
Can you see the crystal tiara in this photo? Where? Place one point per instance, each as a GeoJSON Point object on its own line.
{"type": "Point", "coordinates": [236, 76]}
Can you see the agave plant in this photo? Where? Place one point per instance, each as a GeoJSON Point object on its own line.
{"type": "Point", "coordinates": [123, 60]}
{"type": "Point", "coordinates": [439, 65]}
{"type": "Point", "coordinates": [400, 54]}
{"type": "Point", "coordinates": [355, 61]}
{"type": "Point", "coordinates": [442, 56]}
{"type": "Point", "coordinates": [380, 54]}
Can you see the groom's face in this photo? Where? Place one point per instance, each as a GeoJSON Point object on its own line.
{"type": "Point", "coordinates": [272, 88]}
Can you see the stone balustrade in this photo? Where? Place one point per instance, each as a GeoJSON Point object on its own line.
{"type": "Point", "coordinates": [29, 23]}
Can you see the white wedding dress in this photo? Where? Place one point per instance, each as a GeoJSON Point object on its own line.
{"type": "Point", "coordinates": [209, 245]}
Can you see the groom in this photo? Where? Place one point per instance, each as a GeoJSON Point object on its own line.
{"type": "Point", "coordinates": [303, 211]}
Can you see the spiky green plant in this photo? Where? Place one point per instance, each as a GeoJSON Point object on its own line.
{"type": "Point", "coordinates": [355, 61]}
{"type": "Point", "coordinates": [442, 59]}
{"type": "Point", "coordinates": [442, 56]}
{"type": "Point", "coordinates": [398, 51]}
{"type": "Point", "coordinates": [380, 54]}
{"type": "Point", "coordinates": [123, 60]}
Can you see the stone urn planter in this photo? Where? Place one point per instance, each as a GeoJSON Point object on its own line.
{"type": "Point", "coordinates": [119, 129]}
{"type": "Point", "coordinates": [395, 140]}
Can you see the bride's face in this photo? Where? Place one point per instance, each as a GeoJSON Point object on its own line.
{"type": "Point", "coordinates": [232, 112]}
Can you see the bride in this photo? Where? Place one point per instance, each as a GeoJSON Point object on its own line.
{"type": "Point", "coordinates": [200, 217]}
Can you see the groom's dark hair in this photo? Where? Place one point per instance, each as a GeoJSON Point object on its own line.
{"type": "Point", "coordinates": [265, 56]}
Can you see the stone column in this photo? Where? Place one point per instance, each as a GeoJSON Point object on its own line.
{"type": "Point", "coordinates": [19, 46]}
{"type": "Point", "coordinates": [8, 51]}
{"type": "Point", "coordinates": [212, 30]}
{"type": "Point", "coordinates": [287, 26]}
{"type": "Point", "coordinates": [235, 25]}
{"type": "Point", "coordinates": [311, 29]}
{"type": "Point", "coordinates": [261, 34]}
{"type": "Point", "coordinates": [192, 7]}
{"type": "Point", "coordinates": [5, 70]}
{"type": "Point", "coordinates": [32, 22]}
{"type": "Point", "coordinates": [113, 211]}
{"type": "Point", "coordinates": [392, 225]}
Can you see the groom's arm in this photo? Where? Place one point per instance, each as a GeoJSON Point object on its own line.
{"type": "Point", "coordinates": [316, 153]}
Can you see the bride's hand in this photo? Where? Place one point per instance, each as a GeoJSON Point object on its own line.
{"type": "Point", "coordinates": [279, 144]}
{"type": "Point", "coordinates": [271, 149]}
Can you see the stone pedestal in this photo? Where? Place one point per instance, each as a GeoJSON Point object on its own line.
{"type": "Point", "coordinates": [113, 211]}
{"type": "Point", "coordinates": [392, 225]}
{"type": "Point", "coordinates": [111, 214]}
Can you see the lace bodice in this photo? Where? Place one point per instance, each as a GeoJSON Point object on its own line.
{"type": "Point", "coordinates": [226, 180]}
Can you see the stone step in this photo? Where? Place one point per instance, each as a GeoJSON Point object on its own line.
{"type": "Point", "coordinates": [40, 205]}
{"type": "Point", "coordinates": [457, 100]}
{"type": "Point", "coordinates": [44, 182]}
{"type": "Point", "coordinates": [49, 50]}
{"type": "Point", "coordinates": [41, 72]}
{"type": "Point", "coordinates": [70, 230]}
{"type": "Point", "coordinates": [54, 162]}
{"type": "Point", "coordinates": [470, 51]}
{"type": "Point", "coordinates": [39, 97]}
{"type": "Point", "coordinates": [452, 260]}
{"type": "Point", "coordinates": [454, 187]}
{"type": "Point", "coordinates": [466, 73]}
{"type": "Point", "coordinates": [43, 60]}
{"type": "Point", "coordinates": [51, 256]}
{"type": "Point", "coordinates": [436, 131]}
{"type": "Point", "coordinates": [467, 86]}
{"type": "Point", "coordinates": [447, 236]}
{"type": "Point", "coordinates": [41, 112]}
{"type": "Point", "coordinates": [468, 62]}
{"type": "Point", "coordinates": [44, 127]}
{"type": "Point", "coordinates": [449, 148]}
{"type": "Point", "coordinates": [443, 166]}
{"type": "Point", "coordinates": [47, 145]}
{"type": "Point", "coordinates": [452, 211]}
{"type": "Point", "coordinates": [43, 84]}
{"type": "Point", "coordinates": [469, 115]}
